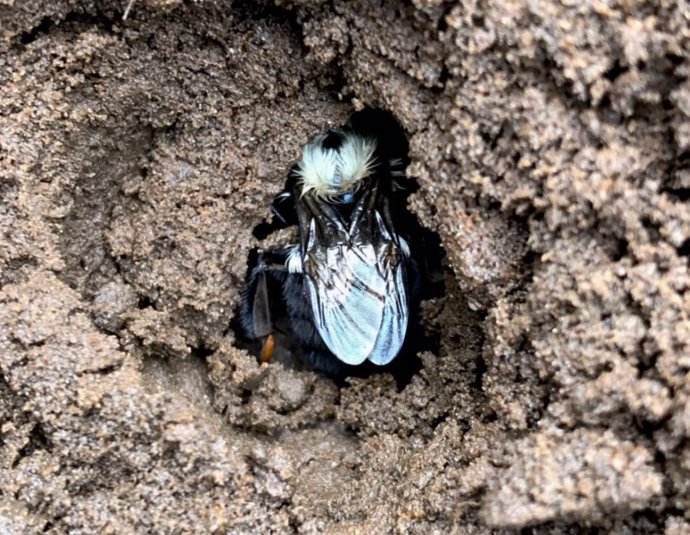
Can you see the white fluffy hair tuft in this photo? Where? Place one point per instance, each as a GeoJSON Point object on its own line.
{"type": "Point", "coordinates": [327, 173]}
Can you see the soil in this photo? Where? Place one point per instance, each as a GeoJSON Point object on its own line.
{"type": "Point", "coordinates": [551, 145]}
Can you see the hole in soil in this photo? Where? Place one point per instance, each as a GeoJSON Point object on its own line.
{"type": "Point", "coordinates": [616, 71]}
{"type": "Point", "coordinates": [677, 182]}
{"type": "Point", "coordinates": [682, 194]}
{"type": "Point", "coordinates": [652, 228]}
{"type": "Point", "coordinates": [38, 440]}
{"type": "Point", "coordinates": [276, 301]}
{"type": "Point", "coordinates": [144, 302]}
{"type": "Point", "coordinates": [684, 249]}
{"type": "Point", "coordinates": [619, 249]}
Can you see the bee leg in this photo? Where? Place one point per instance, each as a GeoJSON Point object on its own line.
{"type": "Point", "coordinates": [255, 305]}
{"type": "Point", "coordinates": [261, 317]}
{"type": "Point", "coordinates": [267, 349]}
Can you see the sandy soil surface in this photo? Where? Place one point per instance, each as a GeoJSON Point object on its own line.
{"type": "Point", "coordinates": [551, 145]}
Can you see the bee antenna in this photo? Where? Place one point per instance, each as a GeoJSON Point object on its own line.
{"type": "Point", "coordinates": [127, 9]}
{"type": "Point", "coordinates": [397, 186]}
{"type": "Point", "coordinates": [276, 213]}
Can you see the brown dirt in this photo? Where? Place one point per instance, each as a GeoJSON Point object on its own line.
{"type": "Point", "coordinates": [551, 142]}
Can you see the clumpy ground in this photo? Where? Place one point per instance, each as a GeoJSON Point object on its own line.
{"type": "Point", "coordinates": [551, 145]}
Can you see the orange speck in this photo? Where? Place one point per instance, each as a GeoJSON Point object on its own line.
{"type": "Point", "coordinates": [267, 350]}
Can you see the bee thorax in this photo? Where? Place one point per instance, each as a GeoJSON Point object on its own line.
{"type": "Point", "coordinates": [335, 163]}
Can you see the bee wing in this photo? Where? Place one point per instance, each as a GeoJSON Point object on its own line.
{"type": "Point", "coordinates": [359, 302]}
{"type": "Point", "coordinates": [394, 321]}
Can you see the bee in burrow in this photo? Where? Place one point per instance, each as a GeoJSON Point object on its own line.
{"type": "Point", "coordinates": [349, 288]}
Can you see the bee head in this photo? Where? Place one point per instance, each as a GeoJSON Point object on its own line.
{"type": "Point", "coordinates": [334, 163]}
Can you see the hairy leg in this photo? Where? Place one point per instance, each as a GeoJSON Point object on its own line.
{"type": "Point", "coordinates": [259, 296]}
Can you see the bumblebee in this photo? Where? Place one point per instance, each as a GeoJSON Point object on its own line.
{"type": "Point", "coordinates": [349, 289]}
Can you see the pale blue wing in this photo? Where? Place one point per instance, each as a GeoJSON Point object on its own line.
{"type": "Point", "coordinates": [394, 322]}
{"type": "Point", "coordinates": [359, 303]}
